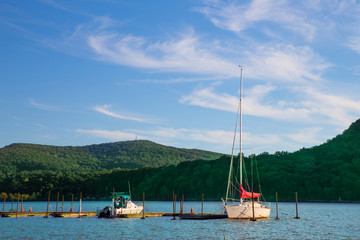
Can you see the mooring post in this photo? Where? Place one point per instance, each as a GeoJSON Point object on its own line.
{"type": "Point", "coordinates": [47, 209]}
{"type": "Point", "coordinates": [4, 203]}
{"type": "Point", "coordinates": [202, 203]}
{"type": "Point", "coordinates": [297, 212]}
{"type": "Point", "coordinates": [173, 206]}
{"type": "Point", "coordinates": [62, 206]}
{"type": "Point", "coordinates": [72, 200]}
{"type": "Point", "coordinates": [57, 201]}
{"type": "Point", "coordinates": [182, 204]}
{"type": "Point", "coordinates": [17, 208]}
{"type": "Point", "coordinates": [143, 216]}
{"type": "Point", "coordinates": [80, 205]}
{"type": "Point", "coordinates": [113, 211]}
{"type": "Point", "coordinates": [277, 209]}
{"type": "Point", "coordinates": [22, 208]}
{"type": "Point", "coordinates": [253, 207]}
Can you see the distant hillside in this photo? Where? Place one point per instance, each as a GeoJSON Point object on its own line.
{"type": "Point", "coordinates": [328, 172]}
{"type": "Point", "coordinates": [127, 155]}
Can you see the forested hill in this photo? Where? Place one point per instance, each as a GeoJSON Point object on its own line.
{"type": "Point", "coordinates": [126, 155]}
{"type": "Point", "coordinates": [328, 172]}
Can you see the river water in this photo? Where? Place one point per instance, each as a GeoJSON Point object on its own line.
{"type": "Point", "coordinates": [318, 221]}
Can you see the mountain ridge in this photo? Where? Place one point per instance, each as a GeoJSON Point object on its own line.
{"type": "Point", "coordinates": [123, 154]}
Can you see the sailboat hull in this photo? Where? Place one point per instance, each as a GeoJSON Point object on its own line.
{"type": "Point", "coordinates": [245, 211]}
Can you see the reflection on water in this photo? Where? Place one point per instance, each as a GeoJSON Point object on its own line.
{"type": "Point", "coordinates": [318, 221]}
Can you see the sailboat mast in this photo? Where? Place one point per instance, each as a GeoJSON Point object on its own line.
{"type": "Point", "coordinates": [240, 136]}
{"type": "Point", "coordinates": [238, 118]}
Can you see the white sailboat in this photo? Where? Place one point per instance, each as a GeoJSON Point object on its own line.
{"type": "Point", "coordinates": [246, 207]}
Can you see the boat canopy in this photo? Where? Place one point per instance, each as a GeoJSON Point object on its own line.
{"type": "Point", "coordinates": [121, 194]}
{"type": "Point", "coordinates": [245, 194]}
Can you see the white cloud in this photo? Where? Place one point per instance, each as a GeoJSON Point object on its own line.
{"type": "Point", "coordinates": [252, 103]}
{"type": "Point", "coordinates": [111, 135]}
{"type": "Point", "coordinates": [237, 18]}
{"type": "Point", "coordinates": [42, 106]}
{"type": "Point", "coordinates": [207, 98]}
{"type": "Point", "coordinates": [104, 109]}
{"type": "Point", "coordinates": [204, 135]}
{"type": "Point", "coordinates": [338, 110]}
{"type": "Point", "coordinates": [185, 53]}
{"type": "Point", "coordinates": [285, 64]}
{"type": "Point", "coordinates": [165, 135]}
{"type": "Point", "coordinates": [211, 136]}
{"type": "Point", "coordinates": [307, 136]}
{"type": "Point", "coordinates": [313, 106]}
{"type": "Point", "coordinates": [354, 43]}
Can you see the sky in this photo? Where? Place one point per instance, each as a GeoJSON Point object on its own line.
{"type": "Point", "coordinates": [75, 73]}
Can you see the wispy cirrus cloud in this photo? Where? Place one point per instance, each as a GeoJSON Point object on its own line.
{"type": "Point", "coordinates": [354, 43]}
{"type": "Point", "coordinates": [185, 53]}
{"type": "Point", "coordinates": [105, 109]}
{"type": "Point", "coordinates": [307, 135]}
{"type": "Point", "coordinates": [169, 135]}
{"type": "Point", "coordinates": [111, 135]}
{"type": "Point", "coordinates": [219, 139]}
{"type": "Point", "coordinates": [213, 136]}
{"type": "Point", "coordinates": [285, 63]}
{"type": "Point", "coordinates": [42, 106]}
{"type": "Point", "coordinates": [313, 106]}
{"type": "Point", "coordinates": [237, 17]}
{"type": "Point", "coordinates": [254, 106]}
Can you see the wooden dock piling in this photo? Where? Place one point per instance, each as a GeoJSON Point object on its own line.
{"type": "Point", "coordinates": [174, 205]}
{"type": "Point", "coordinates": [17, 208]}
{"type": "Point", "coordinates": [57, 202]}
{"type": "Point", "coordinates": [47, 209]}
{"type": "Point", "coordinates": [277, 209]}
{"type": "Point", "coordinates": [12, 202]}
{"type": "Point", "coordinates": [62, 205]}
{"type": "Point", "coordinates": [202, 204]}
{"type": "Point", "coordinates": [182, 204]}
{"type": "Point", "coordinates": [297, 212]}
{"type": "Point", "coordinates": [22, 208]}
{"type": "Point", "coordinates": [4, 203]}
{"type": "Point", "coordinates": [80, 205]}
{"type": "Point", "coordinates": [143, 216]}
{"type": "Point", "coordinates": [253, 207]}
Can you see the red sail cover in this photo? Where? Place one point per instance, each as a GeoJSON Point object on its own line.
{"type": "Point", "coordinates": [245, 194]}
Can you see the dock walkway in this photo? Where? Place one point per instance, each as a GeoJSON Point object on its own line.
{"type": "Point", "coordinates": [94, 214]}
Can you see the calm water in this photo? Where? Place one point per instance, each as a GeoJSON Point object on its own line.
{"type": "Point", "coordinates": [318, 221]}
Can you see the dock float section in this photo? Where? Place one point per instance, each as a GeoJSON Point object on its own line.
{"type": "Point", "coordinates": [94, 214]}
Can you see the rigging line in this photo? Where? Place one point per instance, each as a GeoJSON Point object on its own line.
{"type": "Point", "coordinates": [257, 173]}
{"type": "Point", "coordinates": [258, 177]}
{"type": "Point", "coordinates": [246, 176]}
{"type": "Point", "coordinates": [232, 152]}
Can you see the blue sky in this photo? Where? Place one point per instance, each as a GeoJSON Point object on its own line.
{"type": "Point", "coordinates": [88, 72]}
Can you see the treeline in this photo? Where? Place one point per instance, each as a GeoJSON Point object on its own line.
{"type": "Point", "coordinates": [329, 172]}
{"type": "Point", "coordinates": [126, 155]}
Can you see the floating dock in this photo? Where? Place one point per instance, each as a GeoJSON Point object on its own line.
{"type": "Point", "coordinates": [194, 216]}
{"type": "Point", "coordinates": [23, 214]}
{"type": "Point", "coordinates": [74, 214]}
{"type": "Point", "coordinates": [44, 214]}
{"type": "Point", "coordinates": [202, 216]}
